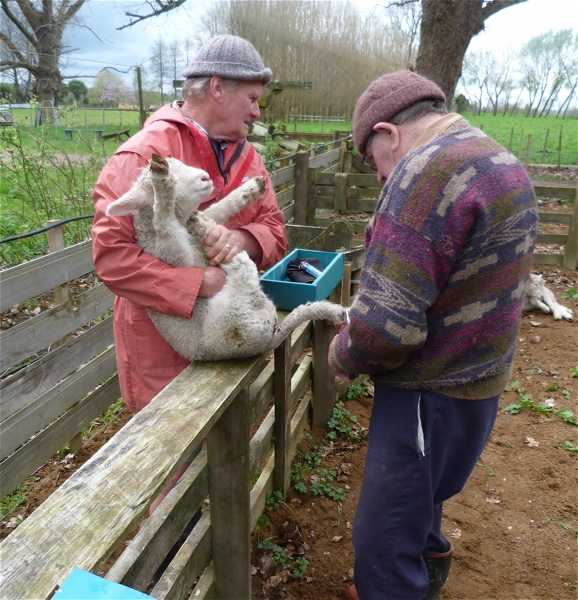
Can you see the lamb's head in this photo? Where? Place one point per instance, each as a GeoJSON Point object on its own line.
{"type": "Point", "coordinates": [535, 287]}
{"type": "Point", "coordinates": [188, 186]}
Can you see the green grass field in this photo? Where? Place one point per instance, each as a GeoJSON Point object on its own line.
{"type": "Point", "coordinates": [551, 141]}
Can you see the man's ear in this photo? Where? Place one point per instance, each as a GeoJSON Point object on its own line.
{"type": "Point", "coordinates": [393, 131]}
{"type": "Point", "coordinates": [217, 89]}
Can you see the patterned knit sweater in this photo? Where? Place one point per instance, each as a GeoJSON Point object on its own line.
{"type": "Point", "coordinates": [448, 253]}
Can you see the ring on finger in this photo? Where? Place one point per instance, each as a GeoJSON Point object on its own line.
{"type": "Point", "coordinates": [228, 246]}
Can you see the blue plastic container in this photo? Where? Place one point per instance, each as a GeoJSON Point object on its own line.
{"type": "Point", "coordinates": [82, 585]}
{"type": "Point", "coordinates": [287, 294]}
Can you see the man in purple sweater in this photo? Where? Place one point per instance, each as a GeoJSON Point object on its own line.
{"type": "Point", "coordinates": [434, 324]}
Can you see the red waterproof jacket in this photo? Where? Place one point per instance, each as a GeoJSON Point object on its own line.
{"type": "Point", "coordinates": [146, 362]}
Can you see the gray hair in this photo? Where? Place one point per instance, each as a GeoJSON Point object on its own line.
{"type": "Point", "coordinates": [194, 88]}
{"type": "Point", "coordinates": [418, 110]}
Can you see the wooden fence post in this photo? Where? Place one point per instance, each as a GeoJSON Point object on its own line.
{"type": "Point", "coordinates": [62, 296]}
{"type": "Point", "coordinates": [340, 193]}
{"type": "Point", "coordinates": [545, 144]}
{"type": "Point", "coordinates": [560, 147]}
{"type": "Point", "coordinates": [570, 258]}
{"type": "Point", "coordinates": [528, 145]}
{"type": "Point", "coordinates": [311, 200]}
{"type": "Point", "coordinates": [230, 486]}
{"type": "Point", "coordinates": [282, 391]}
{"type": "Point", "coordinates": [301, 188]}
{"type": "Point", "coordinates": [323, 388]}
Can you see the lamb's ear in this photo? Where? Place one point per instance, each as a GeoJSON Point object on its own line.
{"type": "Point", "coordinates": [130, 203]}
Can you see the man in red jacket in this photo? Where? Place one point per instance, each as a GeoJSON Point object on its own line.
{"type": "Point", "coordinates": [208, 130]}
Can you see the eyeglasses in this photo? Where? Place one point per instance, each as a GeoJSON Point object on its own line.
{"type": "Point", "coordinates": [369, 162]}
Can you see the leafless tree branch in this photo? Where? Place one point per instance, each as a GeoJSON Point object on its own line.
{"type": "Point", "coordinates": [154, 10]}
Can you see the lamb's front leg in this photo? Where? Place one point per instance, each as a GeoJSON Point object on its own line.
{"type": "Point", "coordinates": [200, 225]}
{"type": "Point", "coordinates": [237, 200]}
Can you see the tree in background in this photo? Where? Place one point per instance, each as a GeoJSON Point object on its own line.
{"type": "Point", "coordinates": [159, 65]}
{"type": "Point", "coordinates": [544, 72]}
{"type": "Point", "coordinates": [546, 61]}
{"type": "Point", "coordinates": [77, 89]}
{"type": "Point", "coordinates": [447, 28]}
{"type": "Point", "coordinates": [42, 25]}
{"type": "Point", "coordinates": [327, 43]}
{"type": "Point", "coordinates": [110, 89]}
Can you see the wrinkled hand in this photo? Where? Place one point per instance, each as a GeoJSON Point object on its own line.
{"type": "Point", "coordinates": [213, 281]}
{"type": "Point", "coordinates": [333, 365]}
{"type": "Point", "coordinates": [222, 245]}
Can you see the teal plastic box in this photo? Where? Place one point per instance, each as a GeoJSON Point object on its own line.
{"type": "Point", "coordinates": [287, 294]}
{"type": "Point", "coordinates": [82, 585]}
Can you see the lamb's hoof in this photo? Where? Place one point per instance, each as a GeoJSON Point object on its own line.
{"type": "Point", "coordinates": [199, 225]}
{"type": "Point", "coordinates": [253, 189]}
{"type": "Point", "coordinates": [159, 165]}
{"type": "Point", "coordinates": [259, 186]}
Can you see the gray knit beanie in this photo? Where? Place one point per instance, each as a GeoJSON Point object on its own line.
{"type": "Point", "coordinates": [386, 97]}
{"type": "Point", "coordinates": [230, 57]}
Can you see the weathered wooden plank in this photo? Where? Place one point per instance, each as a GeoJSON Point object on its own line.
{"type": "Point", "coordinates": [110, 492]}
{"type": "Point", "coordinates": [571, 251]}
{"type": "Point", "coordinates": [282, 390]}
{"type": "Point", "coordinates": [323, 388]}
{"type": "Point", "coordinates": [324, 159]}
{"type": "Point", "coordinates": [285, 197]}
{"type": "Point", "coordinates": [19, 427]}
{"type": "Point", "coordinates": [31, 336]}
{"type": "Point", "coordinates": [288, 213]}
{"type": "Point", "coordinates": [40, 275]}
{"type": "Point", "coordinates": [32, 455]}
{"type": "Point", "coordinates": [187, 564]}
{"type": "Point", "coordinates": [283, 175]}
{"type": "Point", "coordinates": [262, 440]}
{"type": "Point", "coordinates": [230, 485]}
{"type": "Point", "coordinates": [558, 239]}
{"type": "Point", "coordinates": [554, 217]}
{"type": "Point", "coordinates": [159, 532]}
{"type": "Point", "coordinates": [205, 589]}
{"type": "Point", "coordinates": [299, 236]}
{"type": "Point", "coordinates": [547, 259]}
{"type": "Point", "coordinates": [25, 385]}
{"type": "Point", "coordinates": [545, 188]}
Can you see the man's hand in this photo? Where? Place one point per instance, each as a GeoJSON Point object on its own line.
{"type": "Point", "coordinates": [333, 365]}
{"type": "Point", "coordinates": [222, 245]}
{"type": "Point", "coordinates": [213, 282]}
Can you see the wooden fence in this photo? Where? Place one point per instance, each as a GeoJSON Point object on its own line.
{"type": "Point", "coordinates": [94, 512]}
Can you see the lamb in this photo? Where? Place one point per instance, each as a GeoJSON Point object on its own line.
{"type": "Point", "coordinates": [239, 321]}
{"type": "Point", "coordinates": [538, 296]}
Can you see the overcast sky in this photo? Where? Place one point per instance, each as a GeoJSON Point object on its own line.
{"type": "Point", "coordinates": [108, 47]}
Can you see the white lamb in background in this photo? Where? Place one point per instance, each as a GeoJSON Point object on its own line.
{"type": "Point", "coordinates": [239, 321]}
{"type": "Point", "coordinates": [538, 296]}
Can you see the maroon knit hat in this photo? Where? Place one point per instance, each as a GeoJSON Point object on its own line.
{"type": "Point", "coordinates": [386, 97]}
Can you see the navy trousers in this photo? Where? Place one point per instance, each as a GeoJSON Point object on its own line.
{"type": "Point", "coordinates": [422, 449]}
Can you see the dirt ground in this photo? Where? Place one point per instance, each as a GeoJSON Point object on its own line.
{"type": "Point", "coordinates": [514, 526]}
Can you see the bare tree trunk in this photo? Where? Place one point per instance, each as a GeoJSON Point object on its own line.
{"type": "Point", "coordinates": [447, 27]}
